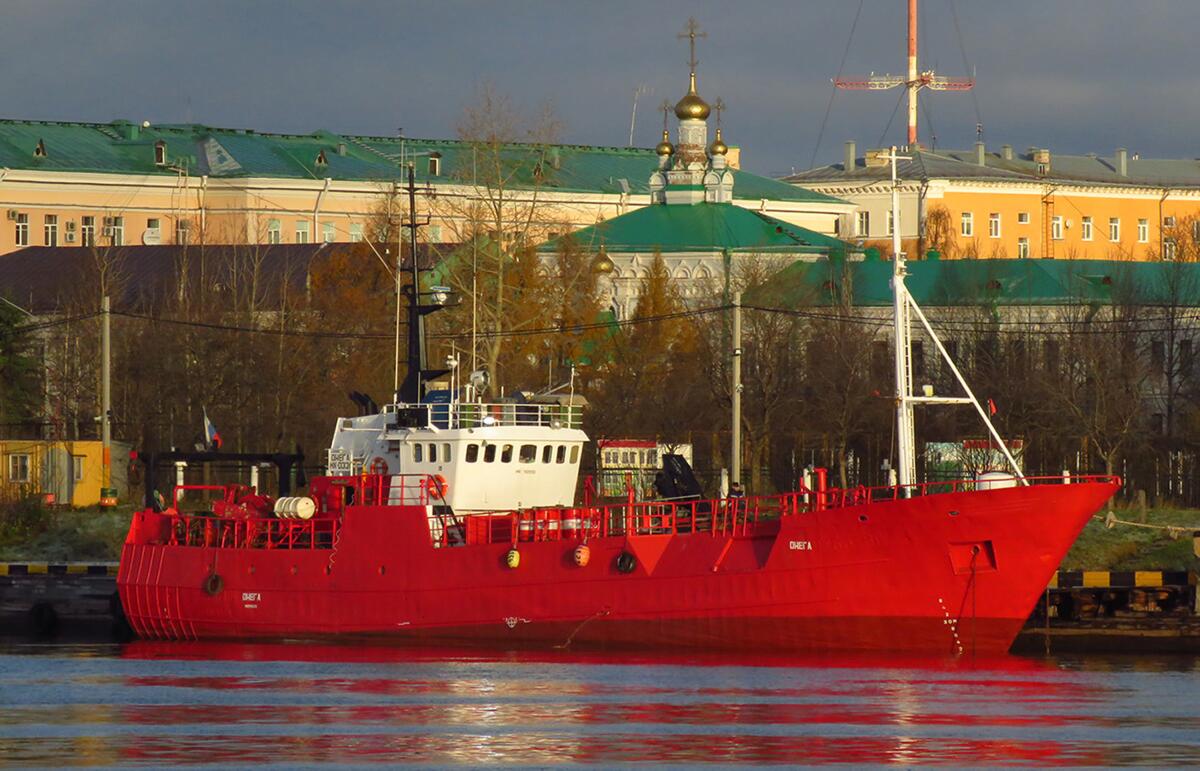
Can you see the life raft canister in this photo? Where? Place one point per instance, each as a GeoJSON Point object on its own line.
{"type": "Point", "coordinates": [379, 466]}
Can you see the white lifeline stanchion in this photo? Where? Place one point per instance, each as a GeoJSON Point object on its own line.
{"type": "Point", "coordinates": [902, 303]}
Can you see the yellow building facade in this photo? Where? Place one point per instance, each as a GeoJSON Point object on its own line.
{"type": "Point", "coordinates": [1037, 205]}
{"type": "Point", "coordinates": [75, 184]}
{"type": "Point", "coordinates": [60, 472]}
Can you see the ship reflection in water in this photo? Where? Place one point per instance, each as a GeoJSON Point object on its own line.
{"type": "Point", "coordinates": [196, 704]}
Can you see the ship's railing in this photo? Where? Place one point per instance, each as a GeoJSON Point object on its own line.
{"type": "Point", "coordinates": [715, 516]}
{"type": "Point", "coordinates": [481, 414]}
{"type": "Point", "coordinates": [259, 533]}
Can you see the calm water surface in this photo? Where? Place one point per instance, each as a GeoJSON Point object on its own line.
{"type": "Point", "coordinates": [306, 705]}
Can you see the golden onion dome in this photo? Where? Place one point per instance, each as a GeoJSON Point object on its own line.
{"type": "Point", "coordinates": [665, 147]}
{"type": "Point", "coordinates": [718, 146]}
{"type": "Point", "coordinates": [691, 106]}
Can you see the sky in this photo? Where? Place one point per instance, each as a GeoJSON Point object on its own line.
{"type": "Point", "coordinates": [1075, 76]}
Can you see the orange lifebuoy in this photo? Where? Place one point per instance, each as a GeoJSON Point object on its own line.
{"type": "Point", "coordinates": [379, 466]}
{"type": "Point", "coordinates": [438, 486]}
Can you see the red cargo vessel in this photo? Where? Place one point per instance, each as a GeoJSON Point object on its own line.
{"type": "Point", "coordinates": [457, 521]}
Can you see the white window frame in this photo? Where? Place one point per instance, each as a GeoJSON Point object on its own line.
{"type": "Point", "coordinates": [183, 231]}
{"type": "Point", "coordinates": [87, 230]}
{"type": "Point", "coordinates": [1170, 248]}
{"type": "Point", "coordinates": [21, 234]}
{"type": "Point", "coordinates": [328, 232]}
{"type": "Point", "coordinates": [356, 232]}
{"type": "Point", "coordinates": [77, 467]}
{"type": "Point", "coordinates": [967, 225]}
{"type": "Point", "coordinates": [864, 223]}
{"type": "Point", "coordinates": [1114, 229]}
{"type": "Point", "coordinates": [1085, 228]}
{"type": "Point", "coordinates": [891, 222]}
{"type": "Point", "coordinates": [274, 231]}
{"type": "Point", "coordinates": [18, 467]}
{"type": "Point", "coordinates": [302, 232]}
{"type": "Point", "coordinates": [50, 230]}
{"type": "Point", "coordinates": [1022, 248]}
{"type": "Point", "coordinates": [994, 225]}
{"type": "Point", "coordinates": [1056, 227]}
{"type": "Point", "coordinates": [1023, 218]}
{"type": "Point", "coordinates": [1143, 231]}
{"type": "Point", "coordinates": [117, 238]}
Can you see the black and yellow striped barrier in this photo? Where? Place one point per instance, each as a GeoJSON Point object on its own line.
{"type": "Point", "coordinates": [58, 568]}
{"type": "Point", "coordinates": [1120, 579]}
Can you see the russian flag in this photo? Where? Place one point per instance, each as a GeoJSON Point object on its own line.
{"type": "Point", "coordinates": [211, 437]}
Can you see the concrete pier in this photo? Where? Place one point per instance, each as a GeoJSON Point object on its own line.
{"type": "Point", "coordinates": [45, 599]}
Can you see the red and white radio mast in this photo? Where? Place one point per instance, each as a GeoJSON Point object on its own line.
{"type": "Point", "coordinates": [915, 81]}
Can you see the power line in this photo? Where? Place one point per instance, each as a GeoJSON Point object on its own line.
{"type": "Point", "coordinates": [834, 89]}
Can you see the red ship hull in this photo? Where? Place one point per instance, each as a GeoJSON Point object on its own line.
{"type": "Point", "coordinates": [947, 573]}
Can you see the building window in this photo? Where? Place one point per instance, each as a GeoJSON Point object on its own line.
{"type": "Point", "coordinates": [1114, 229]}
{"type": "Point", "coordinates": [302, 231]}
{"type": "Point", "coordinates": [864, 223]}
{"type": "Point", "coordinates": [356, 232]}
{"type": "Point", "coordinates": [1185, 357]}
{"type": "Point", "coordinates": [328, 232]}
{"type": "Point", "coordinates": [22, 234]}
{"type": "Point", "coordinates": [994, 225]}
{"type": "Point", "coordinates": [1085, 228]}
{"type": "Point", "coordinates": [435, 234]}
{"type": "Point", "coordinates": [50, 230]}
{"type": "Point", "coordinates": [918, 359]}
{"type": "Point", "coordinates": [160, 153]}
{"type": "Point", "coordinates": [183, 232]}
{"type": "Point", "coordinates": [1158, 355]}
{"type": "Point", "coordinates": [77, 468]}
{"type": "Point", "coordinates": [1023, 248]}
{"type": "Point", "coordinates": [891, 228]}
{"type": "Point", "coordinates": [968, 224]}
{"type": "Point", "coordinates": [1056, 227]}
{"type": "Point", "coordinates": [1023, 218]}
{"type": "Point", "coordinates": [114, 228]}
{"type": "Point", "coordinates": [1196, 230]}
{"type": "Point", "coordinates": [1168, 221]}
{"type": "Point", "coordinates": [1143, 231]}
{"type": "Point", "coordinates": [274, 232]}
{"type": "Point", "coordinates": [435, 165]}
{"type": "Point", "coordinates": [1169, 249]}
{"type": "Point", "coordinates": [18, 468]}
{"type": "Point", "coordinates": [87, 231]}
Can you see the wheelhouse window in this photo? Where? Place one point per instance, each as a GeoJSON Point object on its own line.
{"type": "Point", "coordinates": [418, 453]}
{"type": "Point", "coordinates": [528, 453]}
{"type": "Point", "coordinates": [489, 454]}
{"type": "Point", "coordinates": [561, 455]}
{"type": "Point", "coordinates": [445, 453]}
{"type": "Point", "coordinates": [432, 453]}
{"type": "Point", "coordinates": [574, 453]}
{"type": "Point", "coordinates": [506, 454]}
{"type": "Point", "coordinates": [547, 453]}
{"type": "Point", "coordinates": [472, 453]}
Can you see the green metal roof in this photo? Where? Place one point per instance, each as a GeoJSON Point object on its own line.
{"type": "Point", "coordinates": [975, 282]}
{"type": "Point", "coordinates": [700, 227]}
{"type": "Point", "coordinates": [122, 147]}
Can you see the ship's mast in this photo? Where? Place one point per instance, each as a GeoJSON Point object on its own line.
{"type": "Point", "coordinates": [903, 308]}
{"type": "Point", "coordinates": [913, 82]}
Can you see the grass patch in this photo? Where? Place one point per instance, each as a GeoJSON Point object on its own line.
{"type": "Point", "coordinates": [31, 532]}
{"type": "Point", "coordinates": [1135, 548]}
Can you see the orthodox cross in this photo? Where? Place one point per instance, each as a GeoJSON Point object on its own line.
{"type": "Point", "coordinates": [718, 106]}
{"type": "Point", "coordinates": [691, 32]}
{"type": "Point", "coordinates": [666, 111]}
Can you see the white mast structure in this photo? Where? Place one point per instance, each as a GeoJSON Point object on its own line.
{"type": "Point", "coordinates": [902, 305]}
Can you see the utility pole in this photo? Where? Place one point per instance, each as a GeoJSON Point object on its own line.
{"type": "Point", "coordinates": [735, 463]}
{"type": "Point", "coordinates": [107, 497]}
